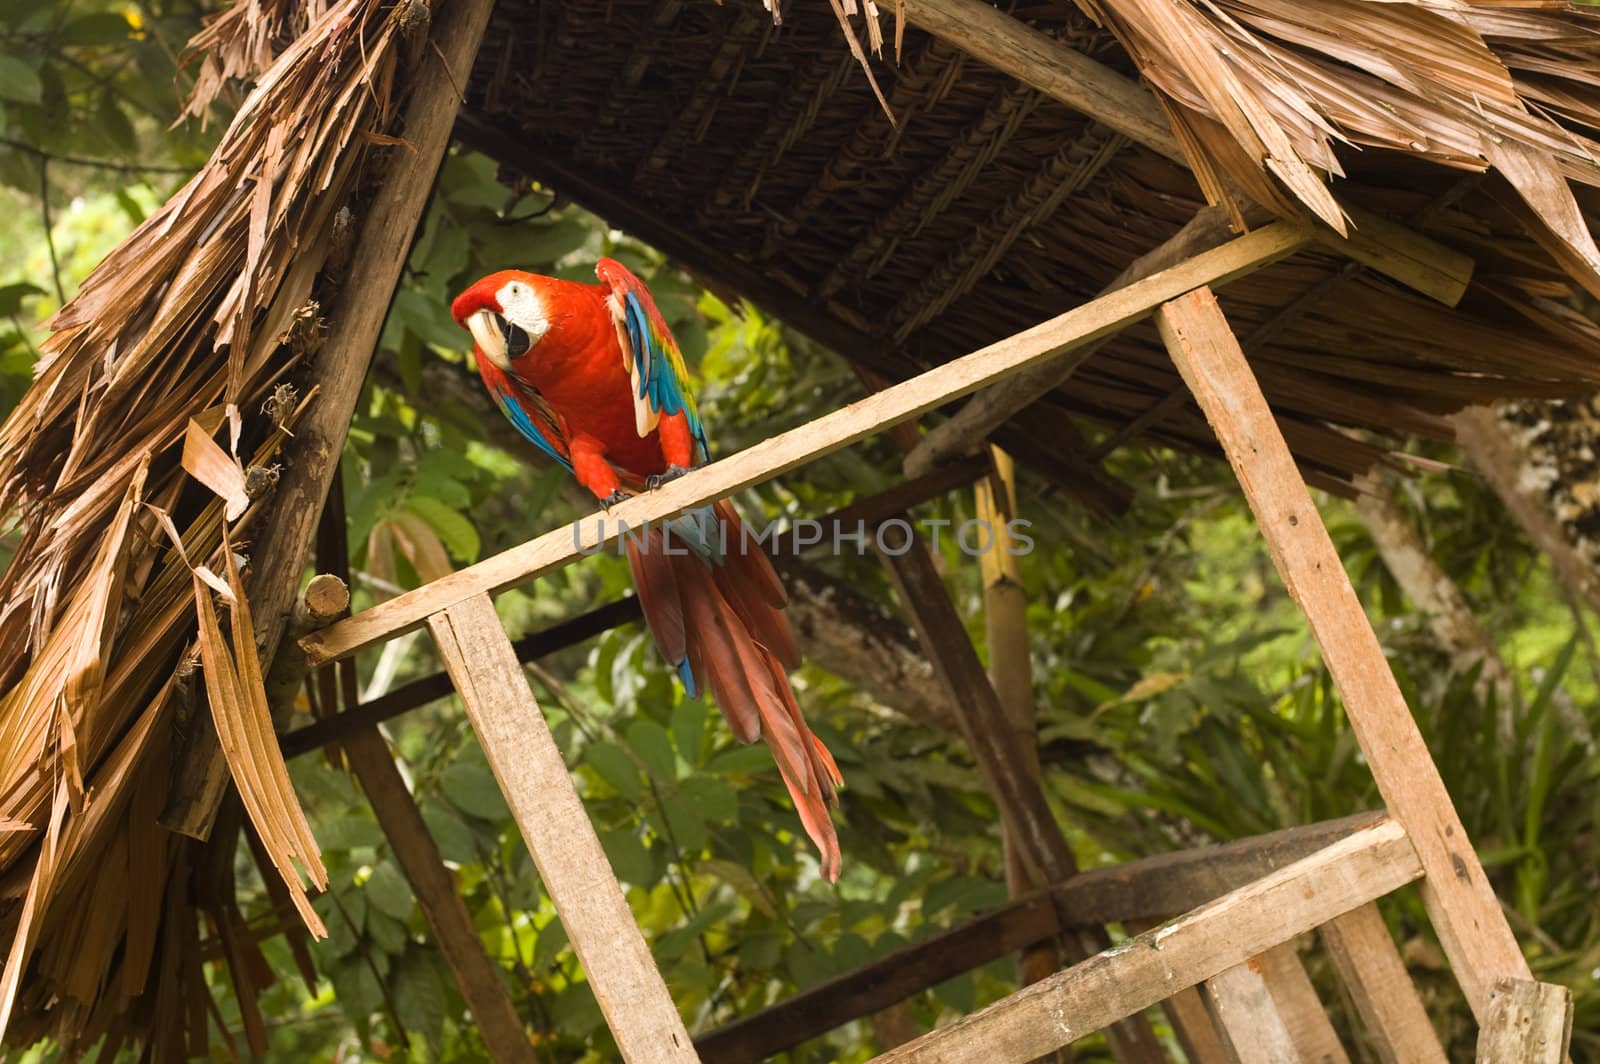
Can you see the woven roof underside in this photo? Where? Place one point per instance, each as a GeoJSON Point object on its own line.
{"type": "Point", "coordinates": [990, 207]}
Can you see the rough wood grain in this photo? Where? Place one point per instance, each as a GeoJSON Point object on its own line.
{"type": "Point", "coordinates": [1384, 995]}
{"type": "Point", "coordinates": [1131, 894]}
{"type": "Point", "coordinates": [1249, 1016]}
{"type": "Point", "coordinates": [794, 448]}
{"type": "Point", "coordinates": [1189, 950]}
{"type": "Point", "coordinates": [482, 986]}
{"type": "Point", "coordinates": [283, 546]}
{"type": "Point", "coordinates": [1460, 901]}
{"type": "Point", "coordinates": [1528, 1023]}
{"type": "Point", "coordinates": [1202, 1041]}
{"type": "Point", "coordinates": [1300, 1008]}
{"type": "Point", "coordinates": [524, 758]}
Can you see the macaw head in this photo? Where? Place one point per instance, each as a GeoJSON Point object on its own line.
{"type": "Point", "coordinates": [507, 313]}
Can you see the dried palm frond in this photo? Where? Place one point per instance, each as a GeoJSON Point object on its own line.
{"type": "Point", "coordinates": [130, 511]}
{"type": "Point", "coordinates": [1260, 87]}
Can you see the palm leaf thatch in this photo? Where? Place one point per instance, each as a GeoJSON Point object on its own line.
{"type": "Point", "coordinates": [132, 466]}
{"type": "Point", "coordinates": [132, 514]}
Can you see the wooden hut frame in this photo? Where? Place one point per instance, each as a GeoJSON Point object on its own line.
{"type": "Point", "coordinates": [1423, 838]}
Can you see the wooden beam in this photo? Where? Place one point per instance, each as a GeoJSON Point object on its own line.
{"type": "Point", "coordinates": [1384, 995]}
{"type": "Point", "coordinates": [482, 986]}
{"type": "Point", "coordinates": [1460, 901]}
{"type": "Point", "coordinates": [283, 546]}
{"type": "Point", "coordinates": [574, 869]}
{"type": "Point", "coordinates": [866, 512]}
{"type": "Point", "coordinates": [779, 454]}
{"type": "Point", "coordinates": [1127, 893]}
{"type": "Point", "coordinates": [965, 431]}
{"type": "Point", "coordinates": [1249, 1016]}
{"type": "Point", "coordinates": [1299, 1006]}
{"type": "Point", "coordinates": [1528, 1023]}
{"type": "Point", "coordinates": [1190, 1016]}
{"type": "Point", "coordinates": [1093, 89]}
{"type": "Point", "coordinates": [1195, 947]}
{"type": "Point", "coordinates": [1030, 827]}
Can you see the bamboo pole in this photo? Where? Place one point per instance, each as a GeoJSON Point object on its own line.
{"type": "Point", "coordinates": [1005, 617]}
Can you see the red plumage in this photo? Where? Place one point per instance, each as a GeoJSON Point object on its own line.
{"type": "Point", "coordinates": [591, 375]}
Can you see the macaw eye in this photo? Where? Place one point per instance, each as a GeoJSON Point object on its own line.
{"type": "Point", "coordinates": [517, 342]}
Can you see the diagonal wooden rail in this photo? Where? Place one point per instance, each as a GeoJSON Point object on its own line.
{"type": "Point", "coordinates": [832, 432]}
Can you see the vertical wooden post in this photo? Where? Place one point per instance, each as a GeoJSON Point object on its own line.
{"type": "Point", "coordinates": [1384, 995]}
{"type": "Point", "coordinates": [1460, 901]}
{"type": "Point", "coordinates": [1000, 759]}
{"type": "Point", "coordinates": [1302, 1011]}
{"type": "Point", "coordinates": [1528, 1023]}
{"type": "Point", "coordinates": [482, 986]}
{"type": "Point", "coordinates": [523, 756]}
{"type": "Point", "coordinates": [1249, 1016]}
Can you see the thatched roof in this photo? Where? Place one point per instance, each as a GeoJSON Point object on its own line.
{"type": "Point", "coordinates": [762, 156]}
{"type": "Point", "coordinates": [986, 206]}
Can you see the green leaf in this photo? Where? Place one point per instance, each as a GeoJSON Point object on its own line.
{"type": "Point", "coordinates": [613, 765]}
{"type": "Point", "coordinates": [419, 996]}
{"type": "Point", "coordinates": [356, 988]}
{"type": "Point", "coordinates": [686, 820]}
{"type": "Point", "coordinates": [629, 859]}
{"type": "Point", "coordinates": [552, 940]}
{"type": "Point", "coordinates": [715, 798]}
{"type": "Point", "coordinates": [349, 833]}
{"type": "Point", "coordinates": [650, 741]}
{"type": "Point", "coordinates": [689, 728]}
{"type": "Point", "coordinates": [389, 892]}
{"type": "Point", "coordinates": [473, 789]}
{"type": "Point", "coordinates": [386, 932]}
{"type": "Point", "coordinates": [450, 833]}
{"type": "Point", "coordinates": [19, 81]}
{"type": "Point", "coordinates": [457, 533]}
{"type": "Point", "coordinates": [12, 295]}
{"type": "Point", "coordinates": [99, 27]}
{"type": "Point", "coordinates": [740, 760]}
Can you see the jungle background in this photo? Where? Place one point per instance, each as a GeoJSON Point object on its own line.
{"type": "Point", "coordinates": [1180, 696]}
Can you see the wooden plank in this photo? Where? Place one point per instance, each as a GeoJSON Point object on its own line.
{"type": "Point", "coordinates": [482, 986]}
{"type": "Point", "coordinates": [1384, 995]}
{"type": "Point", "coordinates": [869, 512]}
{"type": "Point", "coordinates": [528, 766]}
{"type": "Point", "coordinates": [1202, 1041]}
{"type": "Point", "coordinates": [1249, 1016]}
{"type": "Point", "coordinates": [1133, 892]}
{"type": "Point", "coordinates": [1300, 1008]}
{"type": "Point", "coordinates": [1528, 1023]}
{"type": "Point", "coordinates": [1196, 1028]}
{"type": "Point", "coordinates": [1003, 759]}
{"type": "Point", "coordinates": [1091, 88]}
{"type": "Point", "coordinates": [1189, 950]}
{"type": "Point", "coordinates": [1460, 901]}
{"type": "Point", "coordinates": [832, 432]}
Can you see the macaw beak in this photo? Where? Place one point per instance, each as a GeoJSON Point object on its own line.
{"type": "Point", "coordinates": [484, 325]}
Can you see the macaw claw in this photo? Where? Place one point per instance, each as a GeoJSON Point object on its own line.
{"type": "Point", "coordinates": [655, 480]}
{"type": "Point", "coordinates": [615, 497]}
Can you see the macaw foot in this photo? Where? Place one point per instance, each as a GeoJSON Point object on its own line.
{"type": "Point", "coordinates": [615, 497]}
{"type": "Point", "coordinates": [655, 480]}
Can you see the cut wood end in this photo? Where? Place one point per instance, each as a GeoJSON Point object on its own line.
{"type": "Point", "coordinates": [326, 598]}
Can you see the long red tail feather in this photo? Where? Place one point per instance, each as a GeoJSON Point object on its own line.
{"type": "Point", "coordinates": [727, 622]}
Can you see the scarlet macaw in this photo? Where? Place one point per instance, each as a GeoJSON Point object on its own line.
{"type": "Point", "coordinates": [592, 375]}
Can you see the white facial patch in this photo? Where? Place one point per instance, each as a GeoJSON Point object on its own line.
{"type": "Point", "coordinates": [521, 323]}
{"type": "Point", "coordinates": [519, 304]}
